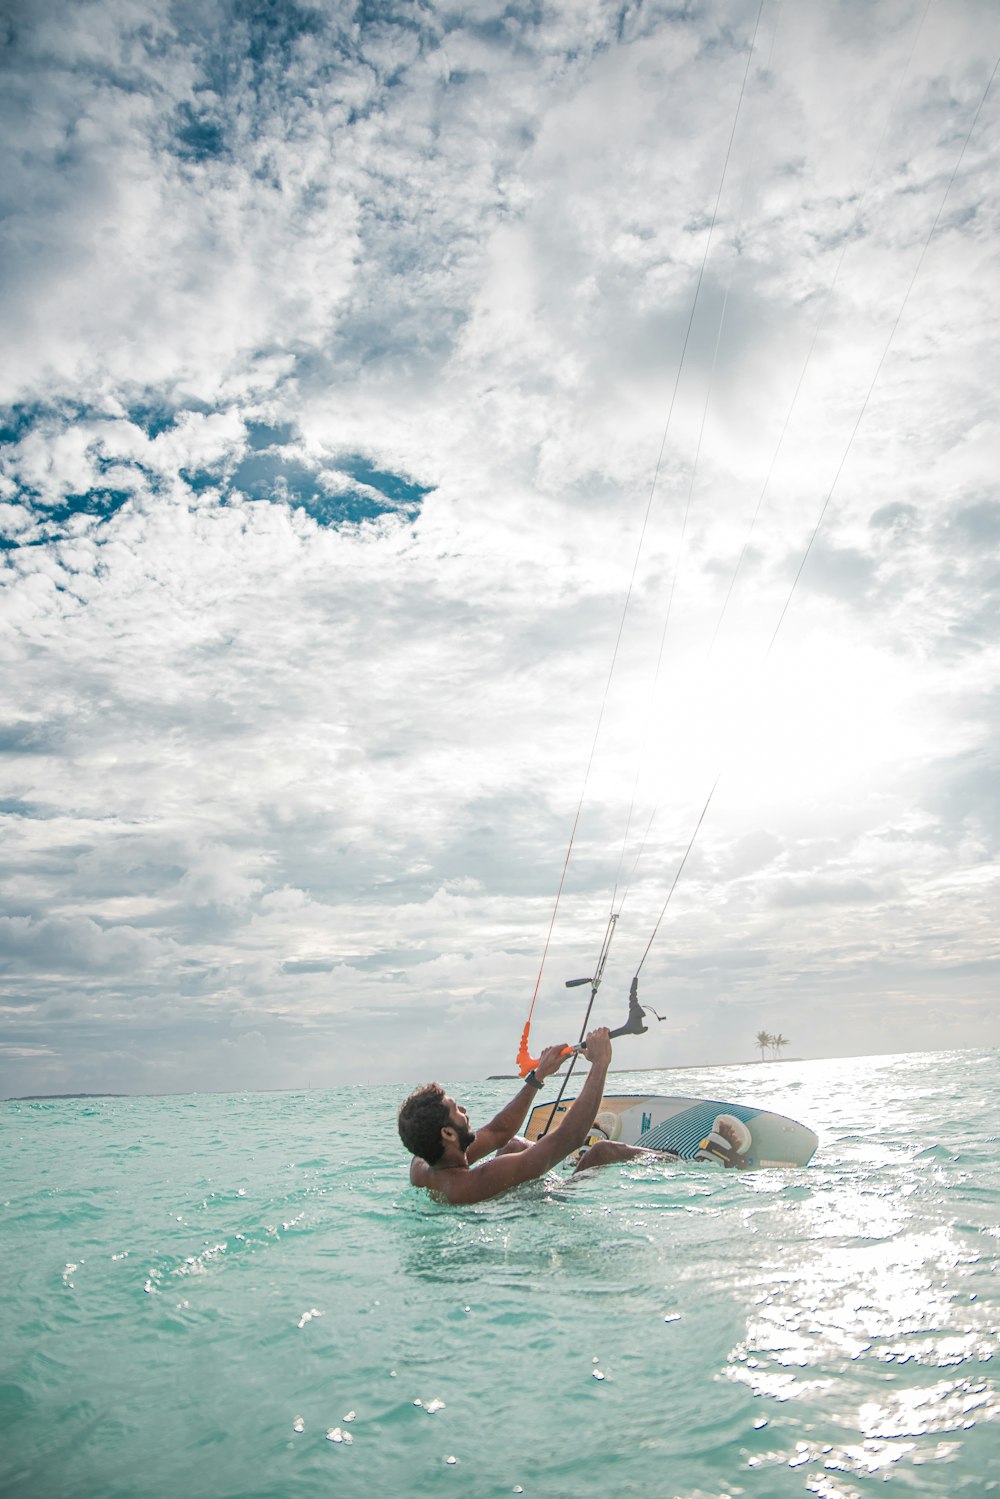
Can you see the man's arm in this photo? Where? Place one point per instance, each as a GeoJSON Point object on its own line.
{"type": "Point", "coordinates": [506, 1171]}
{"type": "Point", "coordinates": [501, 1130]}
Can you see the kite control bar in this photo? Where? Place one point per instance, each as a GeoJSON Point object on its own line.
{"type": "Point", "coordinates": [634, 1025]}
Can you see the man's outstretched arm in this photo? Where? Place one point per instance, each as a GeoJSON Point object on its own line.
{"type": "Point", "coordinates": [501, 1130]}
{"type": "Point", "coordinates": [506, 1171]}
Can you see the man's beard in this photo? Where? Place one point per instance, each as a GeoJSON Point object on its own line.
{"type": "Point", "coordinates": [465, 1136]}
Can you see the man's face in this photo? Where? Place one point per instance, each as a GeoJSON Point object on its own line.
{"type": "Point", "coordinates": [460, 1123]}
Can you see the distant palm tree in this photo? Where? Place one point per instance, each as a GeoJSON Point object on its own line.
{"type": "Point", "coordinates": [778, 1041]}
{"type": "Point", "coordinates": [764, 1039]}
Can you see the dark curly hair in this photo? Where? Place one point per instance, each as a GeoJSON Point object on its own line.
{"type": "Point", "coordinates": [421, 1119]}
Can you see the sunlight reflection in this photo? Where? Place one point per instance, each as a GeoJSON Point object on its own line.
{"type": "Point", "coordinates": [877, 1305]}
{"type": "Point", "coordinates": [869, 1457]}
{"type": "Point", "coordinates": [947, 1406]}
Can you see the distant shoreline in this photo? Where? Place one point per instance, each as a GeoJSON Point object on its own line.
{"type": "Point", "coordinates": [51, 1097]}
{"type": "Point", "coordinates": [496, 1077]}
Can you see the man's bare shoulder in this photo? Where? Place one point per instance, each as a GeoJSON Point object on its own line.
{"type": "Point", "coordinates": [439, 1181]}
{"type": "Point", "coordinates": [419, 1172]}
{"type": "Point", "coordinates": [469, 1184]}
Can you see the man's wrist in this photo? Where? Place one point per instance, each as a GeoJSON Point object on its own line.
{"type": "Point", "coordinates": [533, 1080]}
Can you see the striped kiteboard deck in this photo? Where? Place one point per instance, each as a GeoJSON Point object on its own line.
{"type": "Point", "coordinates": [730, 1134]}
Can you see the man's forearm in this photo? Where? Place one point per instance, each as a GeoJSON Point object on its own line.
{"type": "Point", "coordinates": [509, 1120]}
{"type": "Point", "coordinates": [582, 1111]}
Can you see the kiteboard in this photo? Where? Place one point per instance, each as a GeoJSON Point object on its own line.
{"type": "Point", "coordinates": [694, 1129]}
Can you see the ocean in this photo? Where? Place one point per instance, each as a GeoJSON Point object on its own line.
{"type": "Point", "coordinates": [239, 1296]}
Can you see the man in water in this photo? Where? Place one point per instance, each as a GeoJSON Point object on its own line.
{"type": "Point", "coordinates": [435, 1129]}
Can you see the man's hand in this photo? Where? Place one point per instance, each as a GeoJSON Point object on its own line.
{"type": "Point", "coordinates": [551, 1060]}
{"type": "Point", "coordinates": [597, 1047]}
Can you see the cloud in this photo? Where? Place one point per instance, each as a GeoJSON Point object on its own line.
{"type": "Point", "coordinates": [804, 892]}
{"type": "Point", "coordinates": [340, 354]}
{"type": "Point", "coordinates": [73, 945]}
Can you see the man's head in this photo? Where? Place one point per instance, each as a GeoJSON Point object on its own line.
{"type": "Point", "coordinates": [424, 1117]}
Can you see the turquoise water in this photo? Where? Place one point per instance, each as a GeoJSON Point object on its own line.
{"type": "Point", "coordinates": [197, 1290]}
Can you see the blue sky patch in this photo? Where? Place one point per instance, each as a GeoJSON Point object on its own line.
{"type": "Point", "coordinates": [199, 479]}
{"type": "Point", "coordinates": [101, 502]}
{"type": "Point", "coordinates": [266, 474]}
{"type": "Point", "coordinates": [397, 489]}
{"type": "Point", "coordinates": [18, 419]}
{"type": "Point", "coordinates": [197, 137]}
{"type": "Point", "coordinates": [263, 435]}
{"type": "Point", "coordinates": [152, 419]}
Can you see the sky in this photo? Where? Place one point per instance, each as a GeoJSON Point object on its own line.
{"type": "Point", "coordinates": [424, 425]}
